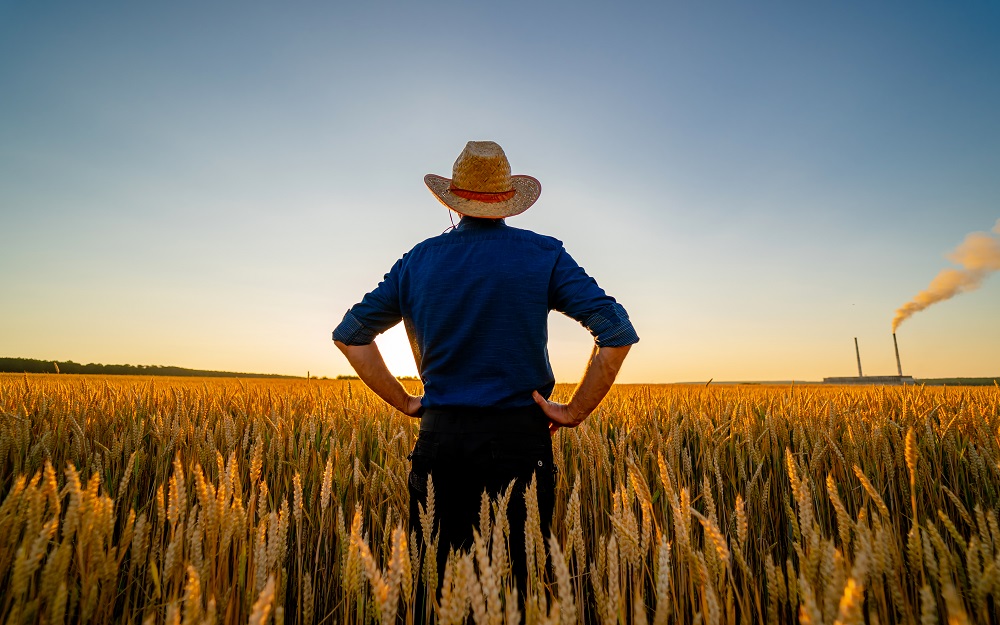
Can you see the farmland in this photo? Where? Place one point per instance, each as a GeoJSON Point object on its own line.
{"type": "Point", "coordinates": [201, 501]}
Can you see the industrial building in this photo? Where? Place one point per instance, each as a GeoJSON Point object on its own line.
{"type": "Point", "coordinates": [883, 380]}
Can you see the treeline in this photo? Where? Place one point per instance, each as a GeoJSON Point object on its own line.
{"type": "Point", "coordinates": [959, 381]}
{"type": "Point", "coordinates": [31, 365]}
{"type": "Point", "coordinates": [401, 378]}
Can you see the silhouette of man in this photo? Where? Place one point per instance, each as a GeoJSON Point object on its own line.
{"type": "Point", "coordinates": [475, 303]}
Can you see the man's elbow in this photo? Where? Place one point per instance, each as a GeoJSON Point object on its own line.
{"type": "Point", "coordinates": [354, 350]}
{"type": "Point", "coordinates": [617, 350]}
{"type": "Point", "coordinates": [617, 353]}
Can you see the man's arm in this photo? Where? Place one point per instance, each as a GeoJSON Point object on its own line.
{"type": "Point", "coordinates": [367, 362]}
{"type": "Point", "coordinates": [605, 362]}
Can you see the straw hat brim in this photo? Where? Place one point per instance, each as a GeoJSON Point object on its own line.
{"type": "Point", "coordinates": [526, 192]}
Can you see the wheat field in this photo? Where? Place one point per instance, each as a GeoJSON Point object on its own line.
{"type": "Point", "coordinates": [285, 501]}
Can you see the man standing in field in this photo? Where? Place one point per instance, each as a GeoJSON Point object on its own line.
{"type": "Point", "coordinates": [475, 304]}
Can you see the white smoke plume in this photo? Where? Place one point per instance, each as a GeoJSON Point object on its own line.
{"type": "Point", "coordinates": [977, 257]}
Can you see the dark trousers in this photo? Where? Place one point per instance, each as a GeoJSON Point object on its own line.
{"type": "Point", "coordinates": [468, 451]}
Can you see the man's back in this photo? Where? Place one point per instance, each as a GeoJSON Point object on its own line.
{"type": "Point", "coordinates": [475, 302]}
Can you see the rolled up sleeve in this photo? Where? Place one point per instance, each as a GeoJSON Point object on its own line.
{"type": "Point", "coordinates": [611, 327]}
{"type": "Point", "coordinates": [374, 314]}
{"type": "Point", "coordinates": [576, 294]}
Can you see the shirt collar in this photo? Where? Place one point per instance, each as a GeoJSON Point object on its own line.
{"type": "Point", "coordinates": [478, 223]}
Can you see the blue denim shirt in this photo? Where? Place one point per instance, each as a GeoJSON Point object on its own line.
{"type": "Point", "coordinates": [475, 304]}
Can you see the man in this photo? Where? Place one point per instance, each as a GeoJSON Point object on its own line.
{"type": "Point", "coordinates": [475, 304]}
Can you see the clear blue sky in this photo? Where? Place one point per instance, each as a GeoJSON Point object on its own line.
{"type": "Point", "coordinates": [212, 185]}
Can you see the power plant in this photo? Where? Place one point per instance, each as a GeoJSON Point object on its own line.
{"type": "Point", "coordinates": [898, 379]}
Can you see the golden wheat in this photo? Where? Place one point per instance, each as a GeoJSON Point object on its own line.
{"type": "Point", "coordinates": [206, 501]}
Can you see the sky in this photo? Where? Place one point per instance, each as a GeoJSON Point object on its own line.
{"type": "Point", "coordinates": [212, 185]}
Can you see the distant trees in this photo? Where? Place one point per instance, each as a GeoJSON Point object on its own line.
{"type": "Point", "coordinates": [31, 365]}
{"type": "Point", "coordinates": [401, 378]}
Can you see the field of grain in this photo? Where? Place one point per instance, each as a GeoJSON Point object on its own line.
{"type": "Point", "coordinates": [204, 501]}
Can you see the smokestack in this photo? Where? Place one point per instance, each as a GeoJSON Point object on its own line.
{"type": "Point", "coordinates": [858, 352]}
{"type": "Point", "coordinates": [899, 367]}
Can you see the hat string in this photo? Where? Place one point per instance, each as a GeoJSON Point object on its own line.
{"type": "Point", "coordinates": [489, 198]}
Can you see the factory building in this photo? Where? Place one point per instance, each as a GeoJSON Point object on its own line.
{"type": "Point", "coordinates": [882, 380]}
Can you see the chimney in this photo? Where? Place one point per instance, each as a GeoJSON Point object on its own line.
{"type": "Point", "coordinates": [858, 352]}
{"type": "Point", "coordinates": [899, 367]}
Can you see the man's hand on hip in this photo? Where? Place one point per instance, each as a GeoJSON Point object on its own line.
{"type": "Point", "coordinates": [559, 414]}
{"type": "Point", "coordinates": [413, 407]}
{"type": "Point", "coordinates": [597, 380]}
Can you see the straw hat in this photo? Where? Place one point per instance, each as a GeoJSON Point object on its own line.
{"type": "Point", "coordinates": [481, 184]}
